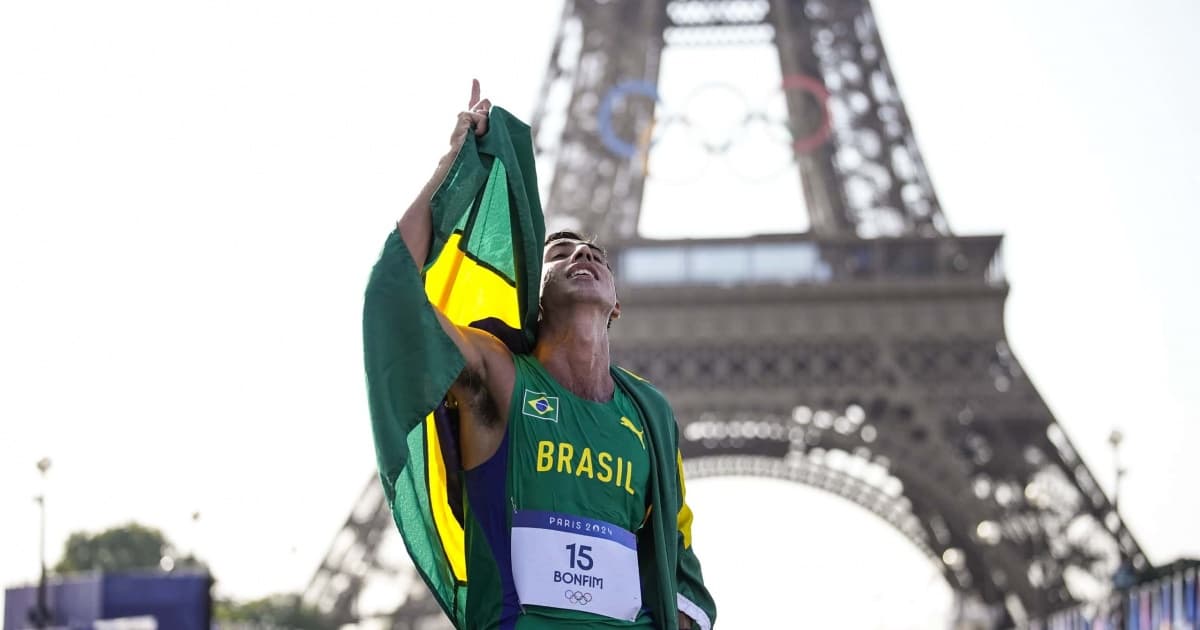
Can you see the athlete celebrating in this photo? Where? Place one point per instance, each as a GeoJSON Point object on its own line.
{"type": "Point", "coordinates": [573, 514]}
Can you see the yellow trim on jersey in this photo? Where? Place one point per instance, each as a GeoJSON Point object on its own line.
{"type": "Point", "coordinates": [450, 532]}
{"type": "Point", "coordinates": [684, 519]}
{"type": "Point", "coordinates": [633, 375]}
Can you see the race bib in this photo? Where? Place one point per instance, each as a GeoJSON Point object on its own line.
{"type": "Point", "coordinates": [578, 563]}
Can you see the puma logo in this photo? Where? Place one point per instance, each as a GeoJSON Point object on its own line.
{"type": "Point", "coordinates": [628, 424]}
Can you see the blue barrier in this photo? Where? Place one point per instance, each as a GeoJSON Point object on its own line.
{"type": "Point", "coordinates": [178, 601]}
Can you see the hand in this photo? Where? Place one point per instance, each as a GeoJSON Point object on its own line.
{"type": "Point", "coordinates": [476, 115]}
{"type": "Point", "coordinates": [685, 622]}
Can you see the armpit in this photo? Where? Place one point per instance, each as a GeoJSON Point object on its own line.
{"type": "Point", "coordinates": [472, 398]}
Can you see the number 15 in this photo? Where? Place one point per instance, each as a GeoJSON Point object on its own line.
{"type": "Point", "coordinates": [583, 560]}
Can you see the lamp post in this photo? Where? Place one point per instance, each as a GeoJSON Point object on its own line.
{"type": "Point", "coordinates": [42, 613]}
{"type": "Point", "coordinates": [1114, 439]}
{"type": "Point", "coordinates": [1125, 577]}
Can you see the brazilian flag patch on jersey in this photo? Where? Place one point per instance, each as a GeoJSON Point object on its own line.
{"type": "Point", "coordinates": [540, 406]}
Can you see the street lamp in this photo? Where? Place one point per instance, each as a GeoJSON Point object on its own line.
{"type": "Point", "coordinates": [1114, 439]}
{"type": "Point", "coordinates": [41, 615]}
{"type": "Point", "coordinates": [1125, 577]}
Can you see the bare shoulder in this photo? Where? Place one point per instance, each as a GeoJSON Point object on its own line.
{"type": "Point", "coordinates": [496, 356]}
{"type": "Point", "coordinates": [488, 360]}
{"type": "Point", "coordinates": [496, 368]}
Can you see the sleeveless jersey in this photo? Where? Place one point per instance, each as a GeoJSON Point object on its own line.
{"type": "Point", "coordinates": [561, 501]}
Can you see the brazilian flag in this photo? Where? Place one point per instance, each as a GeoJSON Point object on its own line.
{"type": "Point", "coordinates": [483, 270]}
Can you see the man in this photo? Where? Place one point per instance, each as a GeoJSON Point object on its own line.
{"type": "Point", "coordinates": [564, 459]}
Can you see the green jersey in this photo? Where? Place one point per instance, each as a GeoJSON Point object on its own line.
{"type": "Point", "coordinates": [554, 516]}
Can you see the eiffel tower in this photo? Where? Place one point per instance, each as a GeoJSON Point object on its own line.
{"type": "Point", "coordinates": [865, 357]}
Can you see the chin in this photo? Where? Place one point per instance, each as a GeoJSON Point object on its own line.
{"type": "Point", "coordinates": [581, 295]}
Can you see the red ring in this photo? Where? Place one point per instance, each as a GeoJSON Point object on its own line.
{"type": "Point", "coordinates": [817, 89]}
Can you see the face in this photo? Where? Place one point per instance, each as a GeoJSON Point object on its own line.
{"type": "Point", "coordinates": [577, 271]}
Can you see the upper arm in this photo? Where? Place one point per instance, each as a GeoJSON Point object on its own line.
{"type": "Point", "coordinates": [485, 356]}
{"type": "Point", "coordinates": [482, 430]}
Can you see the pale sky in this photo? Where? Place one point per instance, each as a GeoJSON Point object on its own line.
{"type": "Point", "coordinates": [192, 195]}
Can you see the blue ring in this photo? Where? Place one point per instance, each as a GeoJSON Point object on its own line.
{"type": "Point", "coordinates": [608, 135]}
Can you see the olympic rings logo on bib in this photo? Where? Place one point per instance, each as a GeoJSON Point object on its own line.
{"type": "Point", "coordinates": [578, 597]}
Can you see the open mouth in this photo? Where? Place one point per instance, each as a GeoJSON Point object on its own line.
{"type": "Point", "coordinates": [581, 273]}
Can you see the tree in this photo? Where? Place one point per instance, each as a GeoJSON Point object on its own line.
{"type": "Point", "coordinates": [275, 611]}
{"type": "Point", "coordinates": [127, 547]}
{"type": "Point", "coordinates": [132, 547]}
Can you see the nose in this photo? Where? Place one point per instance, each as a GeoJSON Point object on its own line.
{"type": "Point", "coordinates": [583, 251]}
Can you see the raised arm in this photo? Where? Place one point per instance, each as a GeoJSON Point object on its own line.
{"type": "Point", "coordinates": [484, 388]}
{"type": "Point", "coordinates": [416, 225]}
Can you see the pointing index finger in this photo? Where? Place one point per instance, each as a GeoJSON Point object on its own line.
{"type": "Point", "coordinates": [474, 93]}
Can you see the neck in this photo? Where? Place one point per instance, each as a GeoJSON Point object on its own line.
{"type": "Point", "coordinates": [574, 350]}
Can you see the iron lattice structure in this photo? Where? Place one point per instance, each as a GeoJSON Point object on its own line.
{"type": "Point", "coordinates": [866, 358]}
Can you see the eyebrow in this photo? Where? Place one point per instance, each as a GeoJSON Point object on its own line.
{"type": "Point", "coordinates": [564, 241]}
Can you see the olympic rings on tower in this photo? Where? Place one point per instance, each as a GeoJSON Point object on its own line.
{"type": "Point", "coordinates": [715, 120]}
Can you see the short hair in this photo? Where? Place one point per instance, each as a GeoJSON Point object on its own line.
{"type": "Point", "coordinates": [563, 235]}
